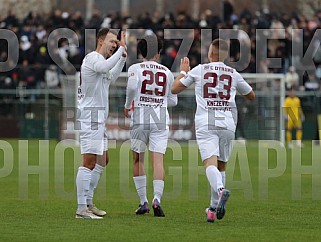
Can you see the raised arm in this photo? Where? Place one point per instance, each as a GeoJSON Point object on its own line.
{"type": "Point", "coordinates": [171, 98]}
{"type": "Point", "coordinates": [116, 70]}
{"type": "Point", "coordinates": [178, 86]}
{"type": "Point", "coordinates": [104, 66]}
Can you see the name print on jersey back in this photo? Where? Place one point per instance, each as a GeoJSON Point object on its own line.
{"type": "Point", "coordinates": [215, 89]}
{"type": "Point", "coordinates": [153, 86]}
{"type": "Point", "coordinates": [152, 82]}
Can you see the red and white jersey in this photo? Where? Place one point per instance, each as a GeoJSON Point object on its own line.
{"type": "Point", "coordinates": [149, 85]}
{"type": "Point", "coordinates": [96, 75]}
{"type": "Point", "coordinates": [215, 89]}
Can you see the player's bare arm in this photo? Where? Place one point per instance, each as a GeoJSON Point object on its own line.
{"type": "Point", "coordinates": [250, 96]}
{"type": "Point", "coordinates": [126, 112]}
{"type": "Point", "coordinates": [177, 86]}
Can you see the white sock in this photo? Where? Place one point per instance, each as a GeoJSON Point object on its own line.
{"type": "Point", "coordinates": [82, 183]}
{"type": "Point", "coordinates": [214, 177]}
{"type": "Point", "coordinates": [223, 178]}
{"type": "Point", "coordinates": [158, 189]}
{"type": "Point", "coordinates": [214, 195]}
{"type": "Point", "coordinates": [95, 176]}
{"type": "Point", "coordinates": [140, 184]}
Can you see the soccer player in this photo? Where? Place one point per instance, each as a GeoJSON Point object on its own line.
{"type": "Point", "coordinates": [216, 116]}
{"type": "Point", "coordinates": [97, 73]}
{"type": "Point", "coordinates": [149, 87]}
{"type": "Point", "coordinates": [294, 118]}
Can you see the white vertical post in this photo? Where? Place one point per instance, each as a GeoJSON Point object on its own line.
{"type": "Point", "coordinates": [125, 7]}
{"type": "Point", "coordinates": [46, 118]}
{"type": "Point", "coordinates": [265, 4]}
{"type": "Point", "coordinates": [160, 6]}
{"type": "Point", "coordinates": [282, 97]}
{"type": "Point", "coordinates": [222, 9]}
{"type": "Point", "coordinates": [89, 8]}
{"type": "Point", "coordinates": [195, 9]}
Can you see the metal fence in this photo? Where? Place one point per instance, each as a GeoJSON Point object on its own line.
{"type": "Point", "coordinates": [50, 113]}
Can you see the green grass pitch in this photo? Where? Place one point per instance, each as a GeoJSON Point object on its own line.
{"type": "Point", "coordinates": [42, 207]}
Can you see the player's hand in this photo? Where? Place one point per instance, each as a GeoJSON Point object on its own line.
{"type": "Point", "coordinates": [122, 41]}
{"type": "Point", "coordinates": [127, 112]}
{"type": "Point", "coordinates": [185, 64]}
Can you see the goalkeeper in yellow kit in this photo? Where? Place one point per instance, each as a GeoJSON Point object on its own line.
{"type": "Point", "coordinates": [294, 118]}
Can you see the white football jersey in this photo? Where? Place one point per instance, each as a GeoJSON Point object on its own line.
{"type": "Point", "coordinates": [149, 85]}
{"type": "Point", "coordinates": [95, 78]}
{"type": "Point", "coordinates": [215, 89]}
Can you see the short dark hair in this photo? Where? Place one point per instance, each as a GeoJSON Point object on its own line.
{"type": "Point", "coordinates": [149, 46]}
{"type": "Point", "coordinates": [104, 31]}
{"type": "Point", "coordinates": [220, 44]}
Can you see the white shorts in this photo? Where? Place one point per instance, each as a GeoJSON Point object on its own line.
{"type": "Point", "coordinates": [154, 134]}
{"type": "Point", "coordinates": [216, 142]}
{"type": "Point", "coordinates": [93, 138]}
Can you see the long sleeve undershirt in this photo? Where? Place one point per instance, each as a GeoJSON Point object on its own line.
{"type": "Point", "coordinates": [116, 70]}
{"type": "Point", "coordinates": [104, 66]}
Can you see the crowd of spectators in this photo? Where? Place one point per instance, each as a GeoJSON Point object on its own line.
{"type": "Point", "coordinates": [43, 59]}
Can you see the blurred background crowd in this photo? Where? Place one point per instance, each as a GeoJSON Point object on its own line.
{"type": "Point", "coordinates": [37, 69]}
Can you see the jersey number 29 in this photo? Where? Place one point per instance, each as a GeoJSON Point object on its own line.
{"type": "Point", "coordinates": [159, 78]}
